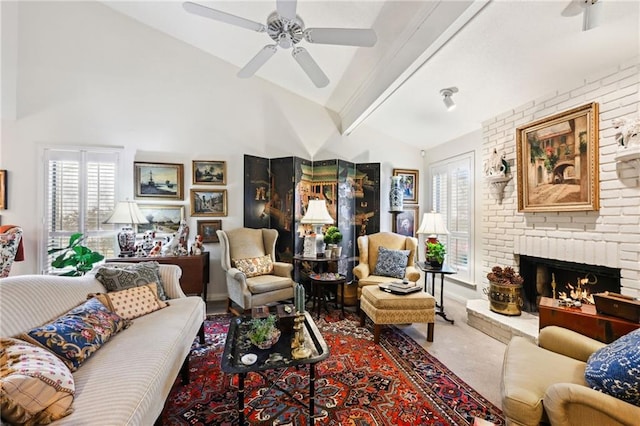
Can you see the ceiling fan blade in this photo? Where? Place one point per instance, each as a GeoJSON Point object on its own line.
{"type": "Point", "coordinates": [287, 8]}
{"type": "Point", "coordinates": [342, 36]}
{"type": "Point", "coordinates": [317, 76]}
{"type": "Point", "coordinates": [257, 61]}
{"type": "Point", "coordinates": [575, 7]}
{"type": "Point", "coordinates": [218, 15]}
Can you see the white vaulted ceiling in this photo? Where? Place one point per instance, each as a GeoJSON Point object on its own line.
{"type": "Point", "coordinates": [500, 54]}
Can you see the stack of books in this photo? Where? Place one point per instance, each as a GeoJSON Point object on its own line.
{"type": "Point", "coordinates": [400, 287]}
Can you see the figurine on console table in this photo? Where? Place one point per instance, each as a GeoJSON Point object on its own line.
{"type": "Point", "coordinates": [196, 248]}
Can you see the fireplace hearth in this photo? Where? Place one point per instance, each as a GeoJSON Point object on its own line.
{"type": "Point", "coordinates": [576, 280]}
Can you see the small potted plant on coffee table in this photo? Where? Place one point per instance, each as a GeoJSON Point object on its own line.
{"type": "Point", "coordinates": [263, 332]}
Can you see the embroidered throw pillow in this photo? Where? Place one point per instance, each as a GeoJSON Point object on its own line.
{"type": "Point", "coordinates": [254, 266]}
{"type": "Point", "coordinates": [116, 278]}
{"type": "Point", "coordinates": [37, 388]}
{"type": "Point", "coordinates": [391, 263]}
{"type": "Point", "coordinates": [76, 335]}
{"type": "Point", "coordinates": [615, 369]}
{"type": "Point", "coordinates": [133, 302]}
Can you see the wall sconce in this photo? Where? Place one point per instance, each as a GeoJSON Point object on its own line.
{"type": "Point", "coordinates": [447, 99]}
{"type": "Point", "coordinates": [496, 172]}
{"type": "Point", "coordinates": [628, 139]}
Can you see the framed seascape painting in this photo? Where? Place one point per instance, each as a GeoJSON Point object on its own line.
{"type": "Point", "coordinates": [158, 180]}
{"type": "Point", "coordinates": [557, 159]}
{"type": "Point", "coordinates": [406, 221]}
{"type": "Point", "coordinates": [410, 183]}
{"type": "Point", "coordinates": [164, 219]}
{"type": "Point", "coordinates": [209, 172]}
{"type": "Point", "coordinates": [207, 229]}
{"type": "Point", "coordinates": [206, 202]}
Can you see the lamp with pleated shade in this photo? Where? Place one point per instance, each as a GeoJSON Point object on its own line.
{"type": "Point", "coordinates": [316, 215]}
{"type": "Point", "coordinates": [432, 225]}
{"type": "Point", "coordinates": [127, 214]}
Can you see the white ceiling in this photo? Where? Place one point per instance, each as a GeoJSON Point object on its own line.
{"type": "Point", "coordinates": [500, 54]}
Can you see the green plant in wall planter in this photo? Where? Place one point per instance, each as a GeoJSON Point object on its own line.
{"type": "Point", "coordinates": [80, 258]}
{"type": "Point", "coordinates": [435, 253]}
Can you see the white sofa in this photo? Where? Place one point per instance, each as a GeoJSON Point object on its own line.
{"type": "Point", "coordinates": [128, 379]}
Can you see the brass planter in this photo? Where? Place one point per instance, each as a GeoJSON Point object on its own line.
{"type": "Point", "coordinates": [505, 299]}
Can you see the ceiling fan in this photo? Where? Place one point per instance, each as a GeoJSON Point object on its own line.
{"type": "Point", "coordinates": [287, 30]}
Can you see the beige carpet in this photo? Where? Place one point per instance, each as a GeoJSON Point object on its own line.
{"type": "Point", "coordinates": [472, 355]}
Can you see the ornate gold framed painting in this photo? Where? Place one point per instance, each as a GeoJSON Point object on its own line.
{"type": "Point", "coordinates": [209, 172]}
{"type": "Point", "coordinates": [558, 162]}
{"type": "Point", "coordinates": [208, 202]}
{"type": "Point", "coordinates": [158, 180]}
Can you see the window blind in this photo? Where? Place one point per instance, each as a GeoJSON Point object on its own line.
{"type": "Point", "coordinates": [452, 195]}
{"type": "Point", "coordinates": [81, 193]}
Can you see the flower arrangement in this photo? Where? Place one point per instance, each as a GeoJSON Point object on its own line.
{"type": "Point", "coordinates": [507, 276]}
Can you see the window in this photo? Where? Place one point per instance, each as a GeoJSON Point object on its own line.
{"type": "Point", "coordinates": [452, 195]}
{"type": "Point", "coordinates": [80, 194]}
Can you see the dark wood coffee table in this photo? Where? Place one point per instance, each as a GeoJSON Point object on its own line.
{"type": "Point", "coordinates": [238, 344]}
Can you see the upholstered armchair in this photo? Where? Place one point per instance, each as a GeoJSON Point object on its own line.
{"type": "Point", "coordinates": [253, 276]}
{"type": "Point", "coordinates": [10, 248]}
{"type": "Point", "coordinates": [547, 383]}
{"type": "Point", "coordinates": [369, 245]}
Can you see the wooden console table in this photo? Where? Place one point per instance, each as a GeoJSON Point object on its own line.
{"type": "Point", "coordinates": [195, 270]}
{"type": "Point", "coordinates": [584, 320]}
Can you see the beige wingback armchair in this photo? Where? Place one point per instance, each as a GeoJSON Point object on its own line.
{"type": "Point", "coordinates": [242, 244]}
{"type": "Point", "coordinates": [368, 247]}
{"type": "Point", "coordinates": [545, 383]}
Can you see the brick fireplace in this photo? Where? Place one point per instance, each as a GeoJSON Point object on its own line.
{"type": "Point", "coordinates": [602, 244]}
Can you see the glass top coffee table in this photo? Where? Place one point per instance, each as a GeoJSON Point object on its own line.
{"type": "Point", "coordinates": [239, 352]}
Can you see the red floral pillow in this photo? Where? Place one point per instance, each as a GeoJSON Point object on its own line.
{"type": "Point", "coordinates": [254, 266]}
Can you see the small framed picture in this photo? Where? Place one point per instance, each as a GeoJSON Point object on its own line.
{"type": "Point", "coordinates": [3, 189]}
{"type": "Point", "coordinates": [207, 229]}
{"type": "Point", "coordinates": [406, 221]}
{"type": "Point", "coordinates": [409, 183]}
{"type": "Point", "coordinates": [205, 202]}
{"type": "Point", "coordinates": [163, 219]}
{"type": "Point", "coordinates": [158, 180]}
{"type": "Point", "coordinates": [209, 172]}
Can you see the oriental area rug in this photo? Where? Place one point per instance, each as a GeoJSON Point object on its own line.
{"type": "Point", "coordinates": [395, 383]}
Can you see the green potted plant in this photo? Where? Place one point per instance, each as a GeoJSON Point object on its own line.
{"type": "Point", "coordinates": [333, 237]}
{"type": "Point", "coordinates": [80, 258]}
{"type": "Point", "coordinates": [435, 253]}
{"type": "Point", "coordinates": [263, 332]}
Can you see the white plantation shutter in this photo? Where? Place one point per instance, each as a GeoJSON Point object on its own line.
{"type": "Point", "coordinates": [452, 195]}
{"type": "Point", "coordinates": [80, 194]}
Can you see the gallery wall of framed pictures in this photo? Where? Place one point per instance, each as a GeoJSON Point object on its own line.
{"type": "Point", "coordinates": [155, 181]}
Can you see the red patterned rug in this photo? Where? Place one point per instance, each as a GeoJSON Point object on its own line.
{"type": "Point", "coordinates": [361, 383]}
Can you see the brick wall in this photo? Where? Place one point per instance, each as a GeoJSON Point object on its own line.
{"type": "Point", "coordinates": [610, 236]}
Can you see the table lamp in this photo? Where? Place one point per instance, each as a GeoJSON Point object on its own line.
{"type": "Point", "coordinates": [317, 215]}
{"type": "Point", "coordinates": [126, 213]}
{"type": "Point", "coordinates": [432, 225]}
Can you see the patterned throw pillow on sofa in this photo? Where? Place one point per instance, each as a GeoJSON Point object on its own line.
{"type": "Point", "coordinates": [133, 302]}
{"type": "Point", "coordinates": [254, 266]}
{"type": "Point", "coordinates": [115, 277]}
{"type": "Point", "coordinates": [615, 369]}
{"type": "Point", "coordinates": [76, 335]}
{"type": "Point", "coordinates": [37, 387]}
{"type": "Point", "coordinates": [391, 263]}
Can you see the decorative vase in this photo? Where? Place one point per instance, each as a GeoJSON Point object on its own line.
{"type": "Point", "coordinates": [396, 194]}
{"type": "Point", "coordinates": [505, 299]}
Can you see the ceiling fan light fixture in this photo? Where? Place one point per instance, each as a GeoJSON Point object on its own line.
{"type": "Point", "coordinates": [591, 14]}
{"type": "Point", "coordinates": [447, 99]}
